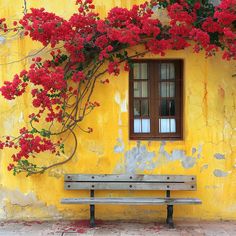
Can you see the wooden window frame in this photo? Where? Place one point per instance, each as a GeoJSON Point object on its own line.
{"type": "Point", "coordinates": [154, 104]}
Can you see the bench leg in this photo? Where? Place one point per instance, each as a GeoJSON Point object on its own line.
{"type": "Point", "coordinates": [92, 211]}
{"type": "Point", "coordinates": [169, 219]}
{"type": "Point", "coordinates": [92, 215]}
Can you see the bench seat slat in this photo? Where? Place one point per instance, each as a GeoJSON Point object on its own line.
{"type": "Point", "coordinates": [129, 186]}
{"type": "Point", "coordinates": [129, 178]}
{"type": "Point", "coordinates": [132, 201]}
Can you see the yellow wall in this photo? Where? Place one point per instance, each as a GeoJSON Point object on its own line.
{"type": "Point", "coordinates": [207, 151]}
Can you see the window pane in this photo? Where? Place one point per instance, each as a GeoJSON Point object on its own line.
{"type": "Point", "coordinates": [167, 125]}
{"type": "Point", "coordinates": [145, 107]}
{"type": "Point", "coordinates": [167, 107]}
{"type": "Point", "coordinates": [144, 89]}
{"type": "Point", "coordinates": [164, 107]}
{"type": "Point", "coordinates": [145, 125]}
{"type": "Point", "coordinates": [167, 89]}
{"type": "Point", "coordinates": [136, 70]}
{"type": "Point", "coordinates": [141, 89]}
{"type": "Point", "coordinates": [137, 125]}
{"type": "Point", "coordinates": [167, 71]}
{"type": "Point", "coordinates": [137, 89]}
{"type": "Point", "coordinates": [137, 107]}
{"type": "Point", "coordinates": [140, 71]}
{"type": "Point", "coordinates": [141, 125]}
{"type": "Point", "coordinates": [143, 73]}
{"type": "Point", "coordinates": [172, 107]}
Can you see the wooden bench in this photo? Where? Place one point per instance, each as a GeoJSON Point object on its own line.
{"type": "Point", "coordinates": [167, 183]}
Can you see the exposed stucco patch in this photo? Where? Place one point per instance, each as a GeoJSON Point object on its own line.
{"type": "Point", "coordinates": [220, 173]}
{"type": "Point", "coordinates": [219, 156]}
{"type": "Point", "coordinates": [186, 161]}
{"type": "Point", "coordinates": [204, 167]}
{"type": "Point", "coordinates": [193, 150]}
{"type": "Point", "coordinates": [56, 172]}
{"type": "Point", "coordinates": [2, 40]}
{"type": "Point", "coordinates": [119, 147]}
{"type": "Point", "coordinates": [16, 205]}
{"type": "Point", "coordinates": [139, 159]}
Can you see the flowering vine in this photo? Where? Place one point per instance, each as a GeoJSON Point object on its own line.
{"type": "Point", "coordinates": [61, 87]}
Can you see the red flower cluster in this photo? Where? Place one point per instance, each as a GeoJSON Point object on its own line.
{"type": "Point", "coordinates": [113, 68]}
{"type": "Point", "coordinates": [3, 25]}
{"type": "Point", "coordinates": [60, 85]}
{"type": "Point", "coordinates": [10, 90]}
{"type": "Point", "coordinates": [45, 27]}
{"type": "Point", "coordinates": [30, 145]}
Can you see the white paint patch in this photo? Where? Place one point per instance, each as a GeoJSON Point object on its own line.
{"type": "Point", "coordinates": [21, 118]}
{"type": "Point", "coordinates": [2, 40]}
{"type": "Point", "coordinates": [120, 146]}
{"type": "Point", "coordinates": [122, 103]}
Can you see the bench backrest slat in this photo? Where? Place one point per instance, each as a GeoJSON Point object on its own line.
{"type": "Point", "coordinates": [129, 178]}
{"type": "Point", "coordinates": [129, 186]}
{"type": "Point", "coordinates": [130, 182]}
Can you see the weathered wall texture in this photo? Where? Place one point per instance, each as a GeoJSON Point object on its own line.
{"type": "Point", "coordinates": [208, 149]}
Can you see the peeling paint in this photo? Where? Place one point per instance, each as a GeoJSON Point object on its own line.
{"type": "Point", "coordinates": [186, 161]}
{"type": "Point", "coordinates": [121, 103]}
{"type": "Point", "coordinates": [2, 40]}
{"type": "Point", "coordinates": [119, 147]}
{"type": "Point", "coordinates": [220, 173]}
{"type": "Point", "coordinates": [16, 205]}
{"type": "Point", "coordinates": [199, 151]}
{"type": "Point", "coordinates": [193, 150]}
{"type": "Point", "coordinates": [139, 159]}
{"type": "Point", "coordinates": [219, 156]}
{"type": "Point", "coordinates": [56, 172]}
{"type": "Point", "coordinates": [204, 167]}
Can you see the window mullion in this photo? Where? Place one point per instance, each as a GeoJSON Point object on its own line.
{"type": "Point", "coordinates": [155, 99]}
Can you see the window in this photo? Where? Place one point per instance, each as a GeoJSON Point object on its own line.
{"type": "Point", "coordinates": [155, 99]}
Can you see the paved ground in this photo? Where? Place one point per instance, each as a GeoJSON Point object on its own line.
{"type": "Point", "coordinates": [75, 228]}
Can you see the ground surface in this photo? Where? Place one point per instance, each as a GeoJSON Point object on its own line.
{"type": "Point", "coordinates": [117, 228]}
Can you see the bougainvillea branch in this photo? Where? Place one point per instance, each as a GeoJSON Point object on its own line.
{"type": "Point", "coordinates": [62, 86]}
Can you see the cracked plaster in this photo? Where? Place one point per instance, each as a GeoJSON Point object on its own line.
{"type": "Point", "coordinates": [16, 205]}
{"type": "Point", "coordinates": [139, 159]}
